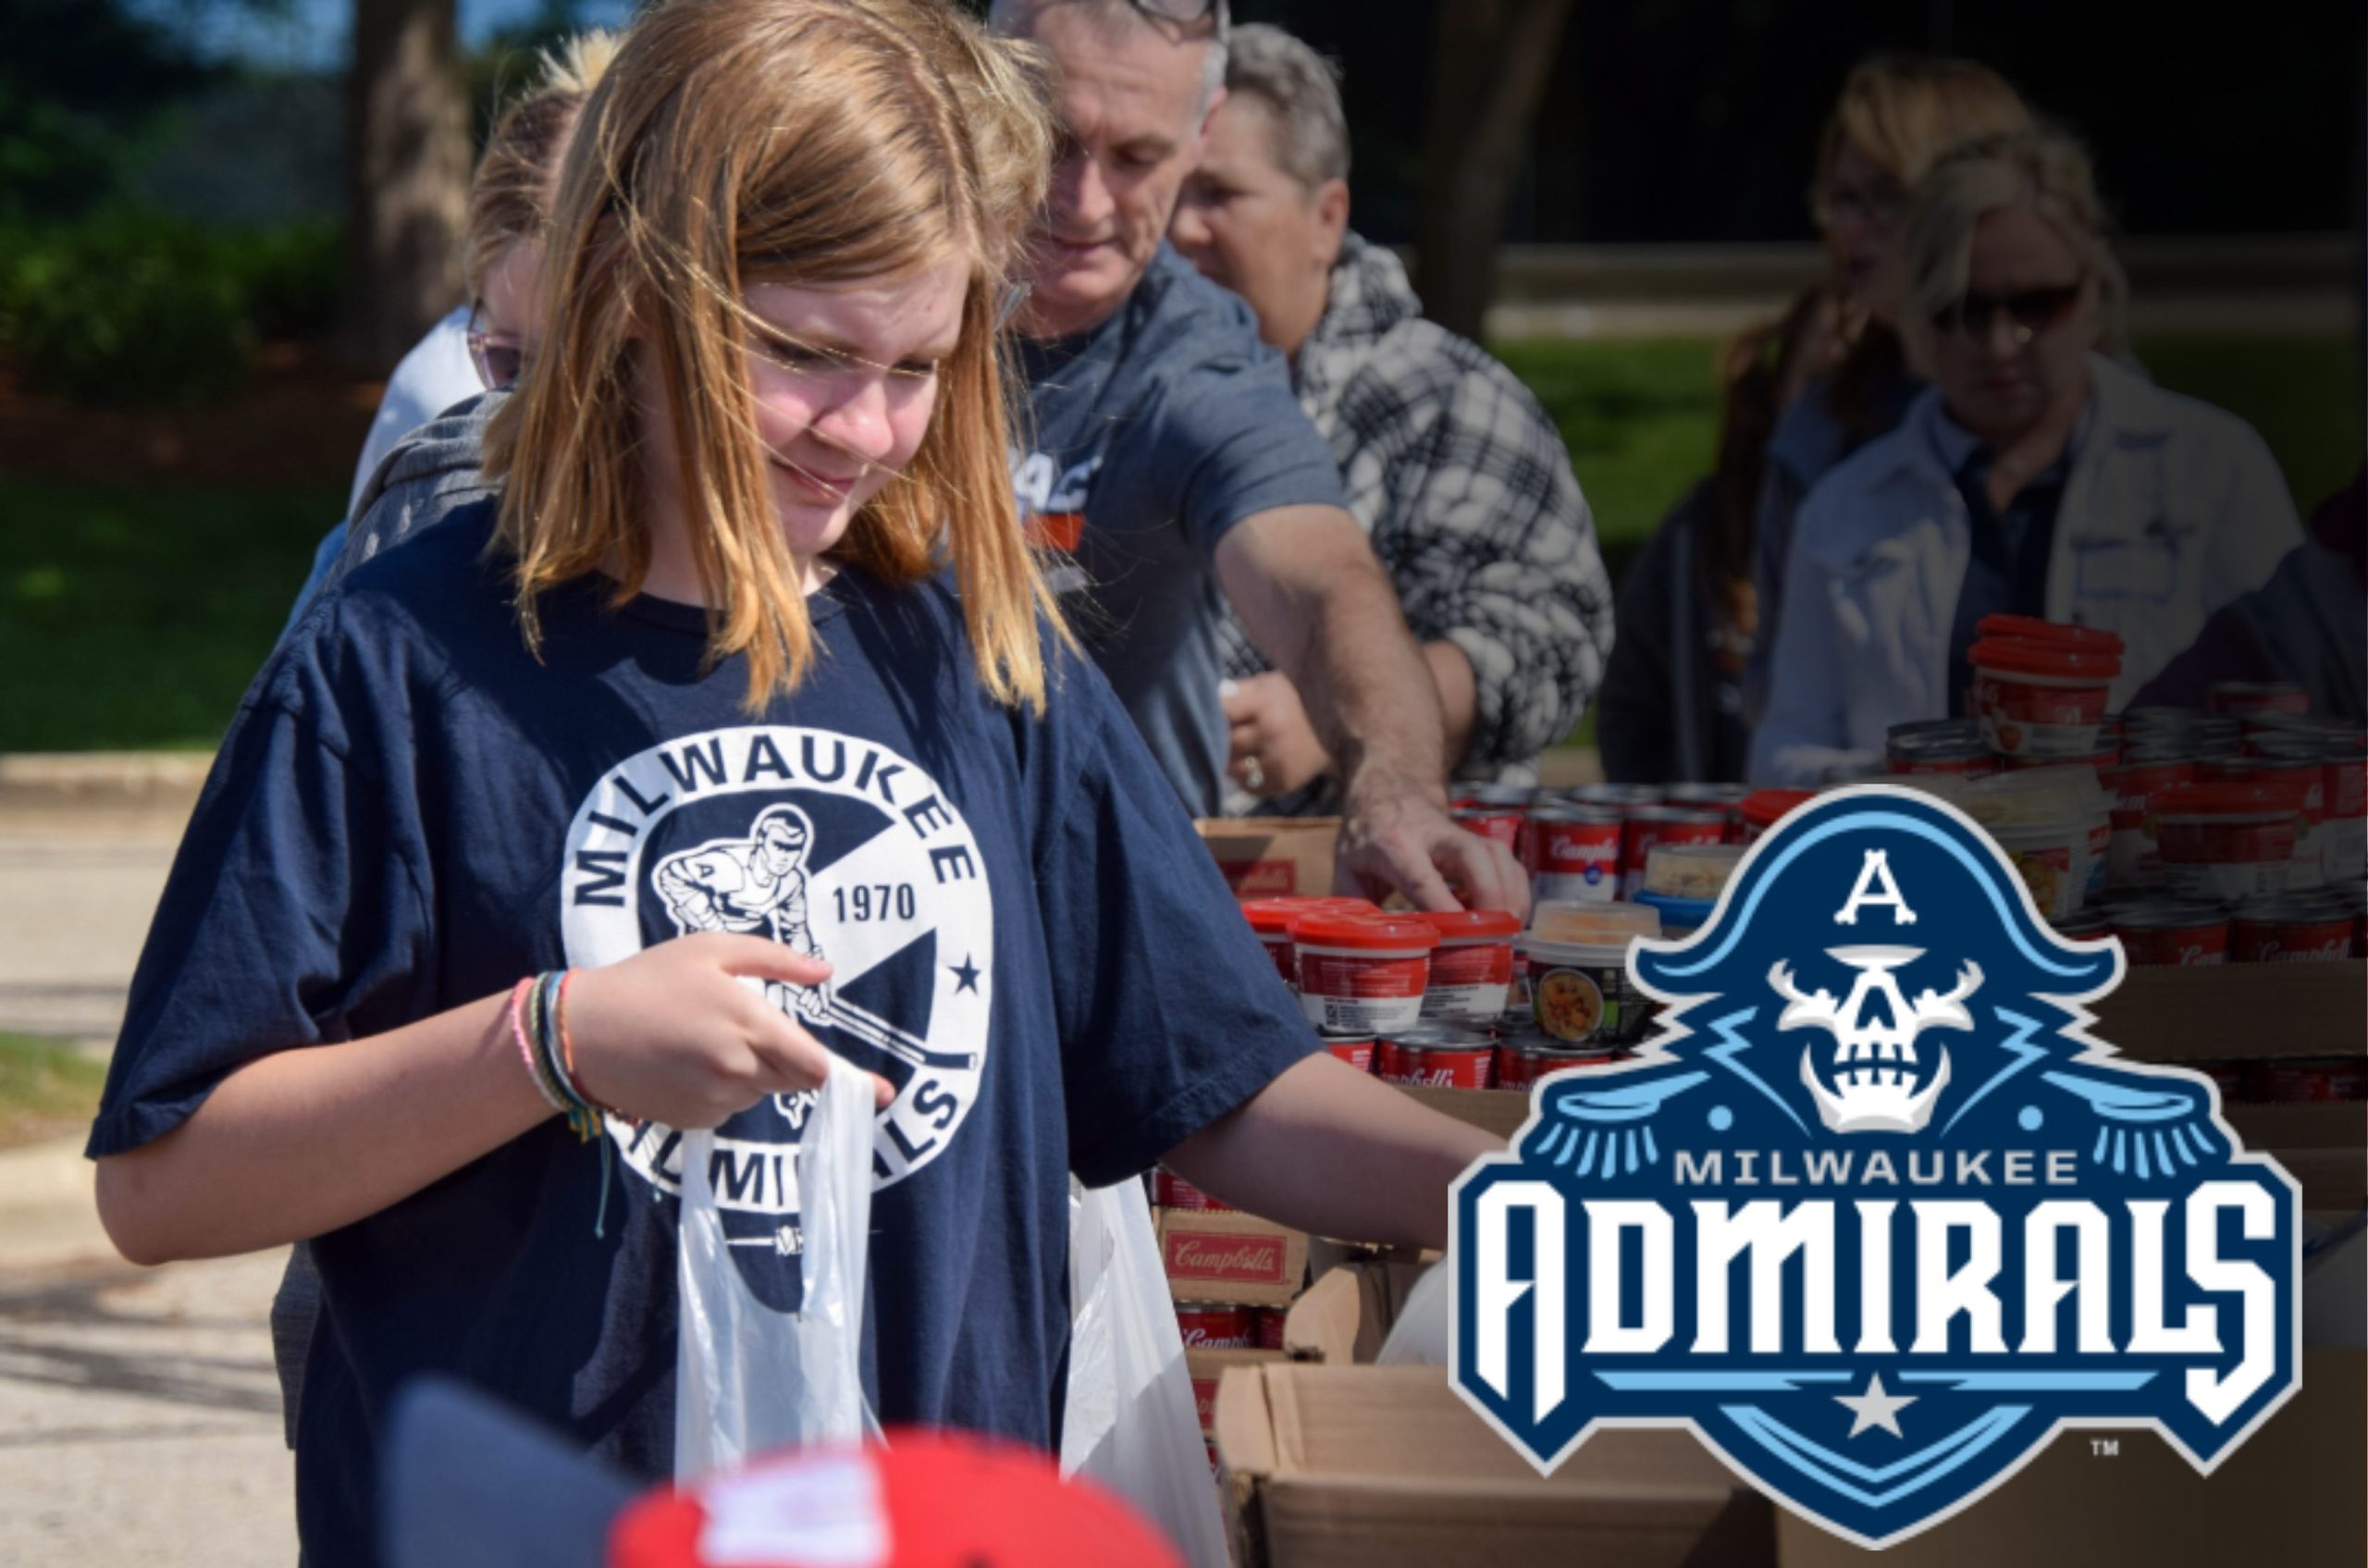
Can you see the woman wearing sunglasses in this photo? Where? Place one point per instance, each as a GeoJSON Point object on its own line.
{"type": "Point", "coordinates": [2036, 475]}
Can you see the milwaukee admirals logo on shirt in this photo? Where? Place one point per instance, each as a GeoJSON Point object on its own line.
{"type": "Point", "coordinates": [839, 849]}
{"type": "Point", "coordinates": [1873, 1216]}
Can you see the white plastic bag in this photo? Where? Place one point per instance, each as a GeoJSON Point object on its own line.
{"type": "Point", "coordinates": [1130, 1422]}
{"type": "Point", "coordinates": [1420, 1336]}
{"type": "Point", "coordinates": [748, 1379]}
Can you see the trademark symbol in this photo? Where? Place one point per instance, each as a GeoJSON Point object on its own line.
{"type": "Point", "coordinates": [2105, 1448]}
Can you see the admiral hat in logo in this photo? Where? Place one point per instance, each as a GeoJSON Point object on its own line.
{"type": "Point", "coordinates": [1873, 1215]}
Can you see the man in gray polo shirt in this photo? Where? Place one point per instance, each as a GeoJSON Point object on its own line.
{"type": "Point", "coordinates": [1169, 459]}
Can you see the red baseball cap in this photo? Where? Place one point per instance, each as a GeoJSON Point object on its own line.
{"type": "Point", "coordinates": [469, 1484]}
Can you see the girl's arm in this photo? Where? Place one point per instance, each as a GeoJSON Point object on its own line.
{"type": "Point", "coordinates": [1328, 1149]}
{"type": "Point", "coordinates": [303, 1142]}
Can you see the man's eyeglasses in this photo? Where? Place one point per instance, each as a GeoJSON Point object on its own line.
{"type": "Point", "coordinates": [499, 358]}
{"type": "Point", "coordinates": [2031, 311]}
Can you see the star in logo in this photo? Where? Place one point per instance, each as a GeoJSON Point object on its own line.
{"type": "Point", "coordinates": [965, 974]}
{"type": "Point", "coordinates": [1875, 1408]}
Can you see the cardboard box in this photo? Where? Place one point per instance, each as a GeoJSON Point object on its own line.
{"type": "Point", "coordinates": [1385, 1467]}
{"type": "Point", "coordinates": [2228, 1011]}
{"type": "Point", "coordinates": [1345, 1315]}
{"type": "Point", "coordinates": [1206, 1368]}
{"type": "Point", "coordinates": [1273, 857]}
{"type": "Point", "coordinates": [1500, 1111]}
{"type": "Point", "coordinates": [2292, 1495]}
{"type": "Point", "coordinates": [1225, 1256]}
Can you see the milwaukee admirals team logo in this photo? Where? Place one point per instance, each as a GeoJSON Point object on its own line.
{"type": "Point", "coordinates": [1872, 1215]}
{"type": "Point", "coordinates": [841, 849]}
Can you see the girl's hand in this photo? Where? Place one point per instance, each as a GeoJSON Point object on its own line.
{"type": "Point", "coordinates": [671, 1034]}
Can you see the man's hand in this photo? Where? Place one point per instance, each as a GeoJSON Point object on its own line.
{"type": "Point", "coordinates": [1275, 748]}
{"type": "Point", "coordinates": [1397, 839]}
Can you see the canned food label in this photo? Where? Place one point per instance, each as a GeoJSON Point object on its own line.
{"type": "Point", "coordinates": [2020, 720]}
{"type": "Point", "coordinates": [1225, 1258]}
{"type": "Point", "coordinates": [1437, 1069]}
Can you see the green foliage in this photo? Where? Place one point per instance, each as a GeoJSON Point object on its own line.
{"type": "Point", "coordinates": [47, 1090]}
{"type": "Point", "coordinates": [132, 308]}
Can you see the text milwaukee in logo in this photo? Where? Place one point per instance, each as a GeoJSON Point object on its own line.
{"type": "Point", "coordinates": [1873, 1216]}
{"type": "Point", "coordinates": [1233, 1259]}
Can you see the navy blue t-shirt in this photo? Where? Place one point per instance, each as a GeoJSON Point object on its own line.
{"type": "Point", "coordinates": [1151, 436]}
{"type": "Point", "coordinates": [411, 812]}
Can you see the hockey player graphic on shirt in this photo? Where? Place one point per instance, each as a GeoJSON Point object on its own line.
{"type": "Point", "coordinates": [756, 884]}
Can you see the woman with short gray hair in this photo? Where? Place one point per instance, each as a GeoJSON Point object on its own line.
{"type": "Point", "coordinates": [2035, 476]}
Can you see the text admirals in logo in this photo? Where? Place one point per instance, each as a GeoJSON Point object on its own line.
{"type": "Point", "coordinates": [1873, 1217]}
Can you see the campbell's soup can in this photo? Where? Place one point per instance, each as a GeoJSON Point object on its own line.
{"type": "Point", "coordinates": [2292, 929]}
{"type": "Point", "coordinates": [1438, 1056]}
{"type": "Point", "coordinates": [1724, 798]}
{"type": "Point", "coordinates": [1357, 1050]}
{"type": "Point", "coordinates": [1507, 822]}
{"type": "Point", "coordinates": [2314, 1078]}
{"type": "Point", "coordinates": [2239, 698]}
{"type": "Point", "coordinates": [1170, 1190]}
{"type": "Point", "coordinates": [1208, 1326]}
{"type": "Point", "coordinates": [1649, 825]}
{"type": "Point", "coordinates": [1524, 1058]}
{"type": "Point", "coordinates": [2172, 934]}
{"type": "Point", "coordinates": [2133, 858]}
{"type": "Point", "coordinates": [2223, 843]}
{"type": "Point", "coordinates": [2233, 1078]}
{"type": "Point", "coordinates": [1270, 1328]}
{"type": "Point", "coordinates": [1575, 853]}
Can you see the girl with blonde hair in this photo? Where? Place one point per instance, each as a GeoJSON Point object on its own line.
{"type": "Point", "coordinates": [2036, 475]}
{"type": "Point", "coordinates": [738, 733]}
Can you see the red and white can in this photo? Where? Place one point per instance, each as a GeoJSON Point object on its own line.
{"type": "Point", "coordinates": [1438, 1056]}
{"type": "Point", "coordinates": [2132, 857]}
{"type": "Point", "coordinates": [1575, 853]}
{"type": "Point", "coordinates": [1208, 1326]}
{"type": "Point", "coordinates": [1506, 824]}
{"type": "Point", "coordinates": [1363, 972]}
{"type": "Point", "coordinates": [2309, 1078]}
{"type": "Point", "coordinates": [1270, 1328]}
{"type": "Point", "coordinates": [2239, 698]}
{"type": "Point", "coordinates": [2171, 934]}
{"type": "Point", "coordinates": [1357, 1050]}
{"type": "Point", "coordinates": [2292, 929]}
{"type": "Point", "coordinates": [2226, 843]}
{"type": "Point", "coordinates": [1524, 1058]}
{"type": "Point", "coordinates": [1170, 1190]}
{"type": "Point", "coordinates": [1473, 966]}
{"type": "Point", "coordinates": [1649, 825]}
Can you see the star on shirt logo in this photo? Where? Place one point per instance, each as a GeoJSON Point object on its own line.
{"type": "Point", "coordinates": [1875, 1408]}
{"type": "Point", "coordinates": [966, 975]}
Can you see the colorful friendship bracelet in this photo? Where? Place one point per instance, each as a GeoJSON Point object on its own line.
{"type": "Point", "coordinates": [525, 1045]}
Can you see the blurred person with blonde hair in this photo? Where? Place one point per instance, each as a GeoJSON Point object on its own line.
{"type": "Point", "coordinates": [2035, 476]}
{"type": "Point", "coordinates": [745, 674]}
{"type": "Point", "coordinates": [480, 345]}
{"type": "Point", "coordinates": [1895, 116]}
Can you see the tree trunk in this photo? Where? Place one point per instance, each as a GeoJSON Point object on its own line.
{"type": "Point", "coordinates": [1491, 71]}
{"type": "Point", "coordinates": [407, 176]}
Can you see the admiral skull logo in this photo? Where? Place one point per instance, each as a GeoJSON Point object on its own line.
{"type": "Point", "coordinates": [840, 849]}
{"type": "Point", "coordinates": [1873, 1216]}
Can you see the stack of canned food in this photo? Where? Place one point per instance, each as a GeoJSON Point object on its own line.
{"type": "Point", "coordinates": [2237, 834]}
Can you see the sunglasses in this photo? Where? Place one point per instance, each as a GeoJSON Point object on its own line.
{"type": "Point", "coordinates": [499, 359]}
{"type": "Point", "coordinates": [2032, 312]}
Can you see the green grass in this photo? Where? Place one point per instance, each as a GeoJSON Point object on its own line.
{"type": "Point", "coordinates": [1641, 418]}
{"type": "Point", "coordinates": [46, 1090]}
{"type": "Point", "coordinates": [134, 618]}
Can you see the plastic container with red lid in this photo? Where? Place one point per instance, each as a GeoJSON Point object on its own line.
{"type": "Point", "coordinates": [1272, 919]}
{"type": "Point", "coordinates": [2030, 628]}
{"type": "Point", "coordinates": [1472, 969]}
{"type": "Point", "coordinates": [2224, 843]}
{"type": "Point", "coordinates": [2041, 699]}
{"type": "Point", "coordinates": [1364, 973]}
